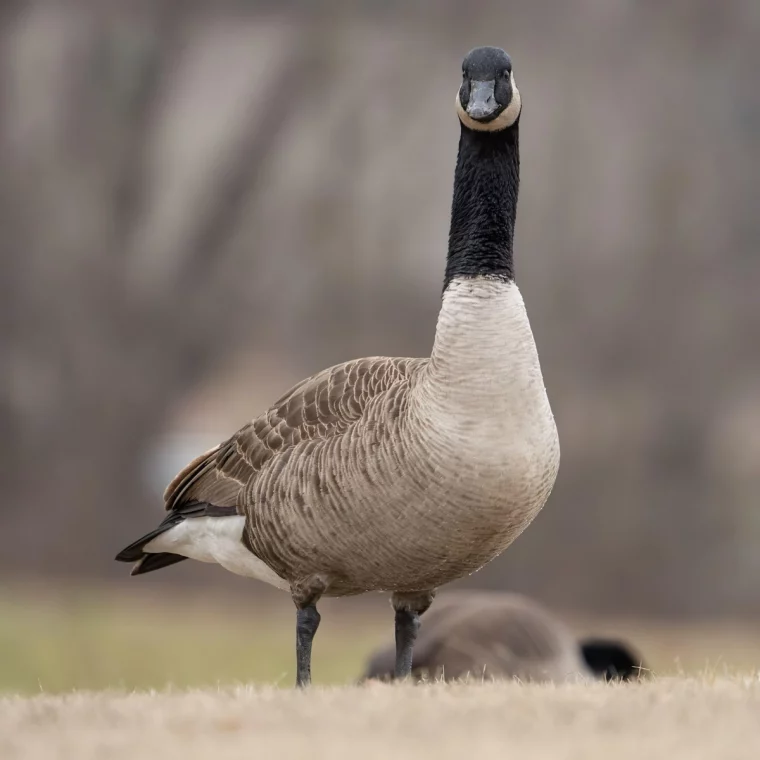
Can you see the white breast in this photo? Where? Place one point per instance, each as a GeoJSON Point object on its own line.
{"type": "Point", "coordinates": [219, 540]}
{"type": "Point", "coordinates": [485, 388]}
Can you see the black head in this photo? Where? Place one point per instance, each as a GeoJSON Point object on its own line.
{"type": "Point", "coordinates": [612, 660]}
{"type": "Point", "coordinates": [488, 99]}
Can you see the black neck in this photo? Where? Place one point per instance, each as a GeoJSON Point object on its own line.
{"type": "Point", "coordinates": [486, 185]}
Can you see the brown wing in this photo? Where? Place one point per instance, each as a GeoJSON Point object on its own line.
{"type": "Point", "coordinates": [319, 407]}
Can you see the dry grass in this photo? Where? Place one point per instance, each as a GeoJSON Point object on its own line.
{"type": "Point", "coordinates": [675, 718]}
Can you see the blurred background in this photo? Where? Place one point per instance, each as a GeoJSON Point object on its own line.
{"type": "Point", "coordinates": [203, 202]}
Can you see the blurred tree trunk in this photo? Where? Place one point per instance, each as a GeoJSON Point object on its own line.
{"type": "Point", "coordinates": [97, 352]}
{"type": "Point", "coordinates": [145, 239]}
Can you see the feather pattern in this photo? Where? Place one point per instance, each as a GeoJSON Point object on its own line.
{"type": "Point", "coordinates": [396, 474]}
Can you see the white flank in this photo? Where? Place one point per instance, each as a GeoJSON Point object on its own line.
{"type": "Point", "coordinates": [219, 540]}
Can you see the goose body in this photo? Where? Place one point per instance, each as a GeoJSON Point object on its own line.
{"type": "Point", "coordinates": [398, 426]}
{"type": "Point", "coordinates": [505, 636]}
{"type": "Point", "coordinates": [395, 474]}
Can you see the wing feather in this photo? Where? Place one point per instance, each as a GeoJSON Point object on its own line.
{"type": "Point", "coordinates": [319, 407]}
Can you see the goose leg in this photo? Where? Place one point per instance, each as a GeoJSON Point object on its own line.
{"type": "Point", "coordinates": [408, 609]}
{"type": "Point", "coordinates": [407, 626]}
{"type": "Point", "coordinates": [307, 622]}
{"type": "Point", "coordinates": [306, 593]}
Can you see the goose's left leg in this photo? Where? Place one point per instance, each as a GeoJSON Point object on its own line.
{"type": "Point", "coordinates": [305, 596]}
{"type": "Point", "coordinates": [408, 608]}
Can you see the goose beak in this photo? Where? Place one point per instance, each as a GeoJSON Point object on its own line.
{"type": "Point", "coordinates": [482, 103]}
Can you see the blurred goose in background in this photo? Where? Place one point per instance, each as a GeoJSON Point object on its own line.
{"type": "Point", "coordinates": [499, 635]}
{"type": "Point", "coordinates": [393, 474]}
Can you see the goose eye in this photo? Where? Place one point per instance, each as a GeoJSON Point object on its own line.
{"type": "Point", "coordinates": [506, 74]}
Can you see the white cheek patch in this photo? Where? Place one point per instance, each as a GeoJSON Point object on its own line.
{"type": "Point", "coordinates": [505, 119]}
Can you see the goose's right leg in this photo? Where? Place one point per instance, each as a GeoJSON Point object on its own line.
{"type": "Point", "coordinates": [408, 609]}
{"type": "Point", "coordinates": [307, 622]}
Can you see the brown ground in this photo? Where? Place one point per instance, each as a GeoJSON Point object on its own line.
{"type": "Point", "coordinates": [673, 718]}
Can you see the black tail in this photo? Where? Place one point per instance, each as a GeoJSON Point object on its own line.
{"type": "Point", "coordinates": [145, 562]}
{"type": "Point", "coordinates": [151, 562]}
{"type": "Point", "coordinates": [613, 660]}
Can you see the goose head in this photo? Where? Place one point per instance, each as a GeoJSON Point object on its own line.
{"type": "Point", "coordinates": [612, 660]}
{"type": "Point", "coordinates": [488, 99]}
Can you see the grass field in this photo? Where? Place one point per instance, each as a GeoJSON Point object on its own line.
{"type": "Point", "coordinates": [112, 673]}
{"type": "Point", "coordinates": [56, 640]}
{"type": "Point", "coordinates": [670, 718]}
{"type": "Point", "coordinates": [84, 639]}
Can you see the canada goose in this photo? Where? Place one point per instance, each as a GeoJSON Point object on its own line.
{"type": "Point", "coordinates": [496, 635]}
{"type": "Point", "coordinates": [393, 474]}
